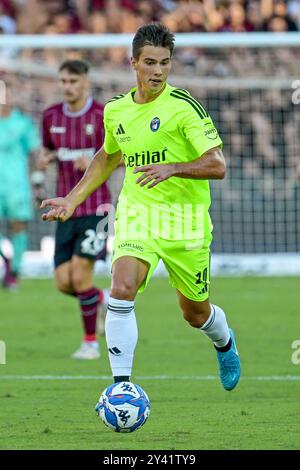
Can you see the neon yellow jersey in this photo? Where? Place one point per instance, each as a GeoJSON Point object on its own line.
{"type": "Point", "coordinates": [174, 128]}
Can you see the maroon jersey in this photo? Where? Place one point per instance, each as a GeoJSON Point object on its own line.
{"type": "Point", "coordinates": [73, 135]}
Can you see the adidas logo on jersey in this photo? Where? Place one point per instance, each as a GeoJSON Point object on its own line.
{"type": "Point", "coordinates": [120, 130]}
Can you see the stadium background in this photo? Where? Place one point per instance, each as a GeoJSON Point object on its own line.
{"type": "Point", "coordinates": [249, 92]}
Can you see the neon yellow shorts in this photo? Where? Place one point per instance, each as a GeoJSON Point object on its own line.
{"type": "Point", "coordinates": [188, 263]}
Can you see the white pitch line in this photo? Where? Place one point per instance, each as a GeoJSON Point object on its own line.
{"type": "Point", "coordinates": [275, 378]}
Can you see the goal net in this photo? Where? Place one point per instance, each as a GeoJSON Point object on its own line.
{"type": "Point", "coordinates": [247, 83]}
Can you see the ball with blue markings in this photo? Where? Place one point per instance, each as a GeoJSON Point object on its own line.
{"type": "Point", "coordinates": [123, 407]}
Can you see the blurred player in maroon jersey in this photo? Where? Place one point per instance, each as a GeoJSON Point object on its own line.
{"type": "Point", "coordinates": [72, 132]}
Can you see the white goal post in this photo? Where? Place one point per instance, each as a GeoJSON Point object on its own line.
{"type": "Point", "coordinates": [206, 40]}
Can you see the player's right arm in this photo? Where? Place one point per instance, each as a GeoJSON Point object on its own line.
{"type": "Point", "coordinates": [99, 170]}
{"type": "Point", "coordinates": [44, 158]}
{"type": "Point", "coordinates": [47, 152]}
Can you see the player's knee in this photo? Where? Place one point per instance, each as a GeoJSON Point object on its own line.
{"type": "Point", "coordinates": [64, 285]}
{"type": "Point", "coordinates": [196, 319]}
{"type": "Point", "coordinates": [81, 274]}
{"type": "Point", "coordinates": [123, 290]}
{"type": "Point", "coordinates": [193, 320]}
{"type": "Point", "coordinates": [78, 281]}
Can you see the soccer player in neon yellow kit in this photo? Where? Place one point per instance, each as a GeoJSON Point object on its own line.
{"type": "Point", "coordinates": [171, 149]}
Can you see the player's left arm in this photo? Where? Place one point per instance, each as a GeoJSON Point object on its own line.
{"type": "Point", "coordinates": [211, 165]}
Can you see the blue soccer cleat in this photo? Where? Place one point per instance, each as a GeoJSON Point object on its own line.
{"type": "Point", "coordinates": [229, 365]}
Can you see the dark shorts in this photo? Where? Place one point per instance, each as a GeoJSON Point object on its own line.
{"type": "Point", "coordinates": [77, 236]}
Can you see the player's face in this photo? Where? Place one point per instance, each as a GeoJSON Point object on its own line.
{"type": "Point", "coordinates": [152, 68]}
{"type": "Point", "coordinates": [72, 86]}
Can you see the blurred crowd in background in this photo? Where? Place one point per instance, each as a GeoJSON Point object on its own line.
{"type": "Point", "coordinates": [58, 17]}
{"type": "Point", "coordinates": [125, 16]}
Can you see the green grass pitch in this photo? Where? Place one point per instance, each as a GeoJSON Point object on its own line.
{"type": "Point", "coordinates": [173, 362]}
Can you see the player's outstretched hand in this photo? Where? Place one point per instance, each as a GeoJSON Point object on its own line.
{"type": "Point", "coordinates": [60, 209]}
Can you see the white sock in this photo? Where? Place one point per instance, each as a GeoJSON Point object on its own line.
{"type": "Point", "coordinates": [216, 327]}
{"type": "Point", "coordinates": [121, 335]}
{"type": "Point", "coordinates": [93, 344]}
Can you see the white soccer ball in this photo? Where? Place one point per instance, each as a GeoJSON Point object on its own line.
{"type": "Point", "coordinates": [123, 407]}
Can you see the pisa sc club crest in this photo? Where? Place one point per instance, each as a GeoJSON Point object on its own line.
{"type": "Point", "coordinates": [154, 124]}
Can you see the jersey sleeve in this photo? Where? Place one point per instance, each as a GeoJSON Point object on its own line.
{"type": "Point", "coordinates": [199, 129]}
{"type": "Point", "coordinates": [110, 143]}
